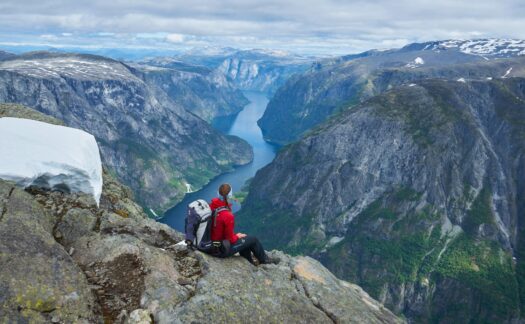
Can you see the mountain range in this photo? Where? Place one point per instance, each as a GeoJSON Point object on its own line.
{"type": "Point", "coordinates": [308, 99]}
{"type": "Point", "coordinates": [404, 174]}
{"type": "Point", "coordinates": [255, 70]}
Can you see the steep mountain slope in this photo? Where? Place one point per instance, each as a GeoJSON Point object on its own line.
{"type": "Point", "coordinates": [257, 70]}
{"type": "Point", "coordinates": [150, 142]}
{"type": "Point", "coordinates": [5, 55]}
{"type": "Point", "coordinates": [415, 194]}
{"type": "Point", "coordinates": [309, 99]}
{"type": "Point", "coordinates": [195, 88]}
{"type": "Point", "coordinates": [66, 260]}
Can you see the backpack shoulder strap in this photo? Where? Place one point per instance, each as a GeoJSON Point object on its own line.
{"type": "Point", "coordinates": [216, 212]}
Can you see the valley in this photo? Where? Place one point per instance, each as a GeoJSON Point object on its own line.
{"type": "Point", "coordinates": [244, 125]}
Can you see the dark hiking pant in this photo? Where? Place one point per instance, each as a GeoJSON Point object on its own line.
{"type": "Point", "coordinates": [246, 246]}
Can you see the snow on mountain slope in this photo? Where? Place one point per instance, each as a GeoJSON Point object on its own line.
{"type": "Point", "coordinates": [79, 67]}
{"type": "Point", "coordinates": [483, 47]}
{"type": "Point", "coordinates": [53, 157]}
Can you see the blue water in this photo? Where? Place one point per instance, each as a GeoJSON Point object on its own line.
{"type": "Point", "coordinates": [244, 125]}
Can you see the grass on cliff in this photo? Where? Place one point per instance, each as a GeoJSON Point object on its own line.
{"type": "Point", "coordinates": [274, 228]}
{"type": "Point", "coordinates": [425, 113]}
{"type": "Point", "coordinates": [392, 243]}
{"type": "Point", "coordinates": [488, 271]}
{"type": "Point", "coordinates": [390, 246]}
{"type": "Point", "coordinates": [479, 213]}
{"type": "Point", "coordinates": [385, 248]}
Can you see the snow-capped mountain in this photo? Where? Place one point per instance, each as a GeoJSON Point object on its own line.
{"type": "Point", "coordinates": [489, 48]}
{"type": "Point", "coordinates": [84, 67]}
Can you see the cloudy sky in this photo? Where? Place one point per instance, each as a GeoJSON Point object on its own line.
{"type": "Point", "coordinates": [307, 26]}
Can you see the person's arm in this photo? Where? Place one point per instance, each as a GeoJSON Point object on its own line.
{"type": "Point", "coordinates": [229, 224]}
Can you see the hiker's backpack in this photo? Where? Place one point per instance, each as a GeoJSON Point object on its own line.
{"type": "Point", "coordinates": [198, 224]}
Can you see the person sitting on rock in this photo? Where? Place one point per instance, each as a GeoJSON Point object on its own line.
{"type": "Point", "coordinates": [222, 229]}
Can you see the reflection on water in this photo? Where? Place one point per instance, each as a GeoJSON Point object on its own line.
{"type": "Point", "coordinates": [245, 126]}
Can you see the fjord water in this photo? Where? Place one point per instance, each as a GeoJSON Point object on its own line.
{"type": "Point", "coordinates": [244, 125]}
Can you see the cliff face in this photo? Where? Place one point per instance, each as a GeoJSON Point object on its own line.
{"type": "Point", "coordinates": [149, 141]}
{"type": "Point", "coordinates": [328, 87]}
{"type": "Point", "coordinates": [253, 70]}
{"type": "Point", "coordinates": [196, 89]}
{"type": "Point", "coordinates": [415, 194]}
{"type": "Point", "coordinates": [259, 74]}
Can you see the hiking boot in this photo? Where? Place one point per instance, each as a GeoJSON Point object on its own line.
{"type": "Point", "coordinates": [271, 259]}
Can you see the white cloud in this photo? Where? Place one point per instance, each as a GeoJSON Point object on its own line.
{"type": "Point", "coordinates": [175, 38]}
{"type": "Point", "coordinates": [49, 37]}
{"type": "Point", "coordinates": [331, 26]}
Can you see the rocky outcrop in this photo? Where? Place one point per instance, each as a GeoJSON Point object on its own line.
{"type": "Point", "coordinates": [150, 142]}
{"type": "Point", "coordinates": [415, 194]}
{"type": "Point", "coordinates": [64, 260]}
{"type": "Point", "coordinates": [331, 86]}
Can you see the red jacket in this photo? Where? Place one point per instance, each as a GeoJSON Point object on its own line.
{"type": "Point", "coordinates": [224, 223]}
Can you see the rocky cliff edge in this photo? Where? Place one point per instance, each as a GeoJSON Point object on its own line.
{"type": "Point", "coordinates": [64, 260]}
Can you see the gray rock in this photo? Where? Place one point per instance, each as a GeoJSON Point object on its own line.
{"type": "Point", "coordinates": [234, 290]}
{"type": "Point", "coordinates": [75, 224]}
{"type": "Point", "coordinates": [38, 276]}
{"type": "Point", "coordinates": [139, 316]}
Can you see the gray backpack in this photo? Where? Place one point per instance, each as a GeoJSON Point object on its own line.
{"type": "Point", "coordinates": [198, 224]}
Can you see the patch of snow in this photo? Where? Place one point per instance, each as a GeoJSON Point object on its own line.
{"type": "Point", "coordinates": [49, 156]}
{"type": "Point", "coordinates": [419, 61]}
{"type": "Point", "coordinates": [486, 47]}
{"type": "Point", "coordinates": [462, 80]}
{"type": "Point", "coordinates": [507, 73]}
{"type": "Point", "coordinates": [334, 240]}
{"type": "Point", "coordinates": [68, 67]}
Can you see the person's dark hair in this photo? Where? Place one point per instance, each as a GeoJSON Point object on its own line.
{"type": "Point", "coordinates": [224, 190]}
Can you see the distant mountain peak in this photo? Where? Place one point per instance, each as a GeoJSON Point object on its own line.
{"type": "Point", "coordinates": [487, 47]}
{"type": "Point", "coordinates": [44, 64]}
